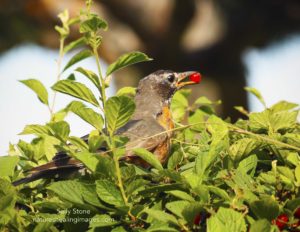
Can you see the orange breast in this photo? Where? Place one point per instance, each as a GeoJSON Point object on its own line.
{"type": "Point", "coordinates": [165, 119]}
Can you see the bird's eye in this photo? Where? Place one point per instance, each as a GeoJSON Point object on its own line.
{"type": "Point", "coordinates": [171, 78]}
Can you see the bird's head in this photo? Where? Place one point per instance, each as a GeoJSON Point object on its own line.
{"type": "Point", "coordinates": [164, 83]}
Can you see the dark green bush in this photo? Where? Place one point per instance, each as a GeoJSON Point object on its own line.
{"type": "Point", "coordinates": [219, 176]}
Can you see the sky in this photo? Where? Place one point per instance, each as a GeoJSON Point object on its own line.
{"type": "Point", "coordinates": [275, 71]}
{"type": "Point", "coordinates": [19, 105]}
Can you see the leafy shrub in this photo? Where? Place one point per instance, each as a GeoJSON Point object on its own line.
{"type": "Point", "coordinates": [219, 176]}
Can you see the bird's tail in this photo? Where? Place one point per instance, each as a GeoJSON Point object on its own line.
{"type": "Point", "coordinates": [59, 167]}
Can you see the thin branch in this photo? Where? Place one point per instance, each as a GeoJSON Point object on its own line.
{"type": "Point", "coordinates": [59, 61]}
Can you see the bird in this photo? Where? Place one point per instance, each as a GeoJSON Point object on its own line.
{"type": "Point", "coordinates": [152, 121]}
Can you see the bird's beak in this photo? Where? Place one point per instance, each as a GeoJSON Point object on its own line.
{"type": "Point", "coordinates": [194, 78]}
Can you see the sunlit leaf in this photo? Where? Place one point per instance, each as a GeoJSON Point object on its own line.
{"type": "Point", "coordinates": [126, 60]}
{"type": "Point", "coordinates": [38, 88]}
{"type": "Point", "coordinates": [7, 165]}
{"type": "Point", "coordinates": [257, 94]}
{"type": "Point", "coordinates": [109, 193]}
{"type": "Point", "coordinates": [75, 89]}
{"type": "Point", "coordinates": [78, 57]}
{"type": "Point", "coordinates": [148, 157]}
{"type": "Point", "coordinates": [118, 111]}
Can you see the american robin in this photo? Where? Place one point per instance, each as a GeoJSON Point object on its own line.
{"type": "Point", "coordinates": [150, 126]}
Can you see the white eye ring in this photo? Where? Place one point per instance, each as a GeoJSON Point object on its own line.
{"type": "Point", "coordinates": [171, 78]}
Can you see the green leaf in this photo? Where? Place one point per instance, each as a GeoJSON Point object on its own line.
{"type": "Point", "coordinates": [127, 91]}
{"type": "Point", "coordinates": [105, 167]}
{"type": "Point", "coordinates": [36, 129]}
{"type": "Point", "coordinates": [79, 143]}
{"type": "Point", "coordinates": [218, 128]}
{"type": "Point", "coordinates": [191, 210]}
{"type": "Point", "coordinates": [261, 225]}
{"type": "Point", "coordinates": [71, 77]}
{"type": "Point", "coordinates": [70, 190]}
{"type": "Point", "coordinates": [38, 88]}
{"type": "Point", "coordinates": [90, 196]}
{"type": "Point", "coordinates": [272, 121]}
{"type": "Point", "coordinates": [26, 149]}
{"type": "Point", "coordinates": [75, 89]}
{"type": "Point", "coordinates": [175, 159]}
{"type": "Point", "coordinates": [177, 207]}
{"type": "Point", "coordinates": [160, 188]}
{"type": "Point", "coordinates": [102, 220]}
{"type": "Point", "coordinates": [242, 110]}
{"type": "Point", "coordinates": [242, 148]}
{"type": "Point", "coordinates": [162, 216]}
{"type": "Point", "coordinates": [90, 116]}
{"type": "Point", "coordinates": [95, 141]}
{"type": "Point", "coordinates": [7, 165]}
{"type": "Point", "coordinates": [108, 192]}
{"type": "Point", "coordinates": [205, 101]}
{"type": "Point", "coordinates": [293, 204]}
{"type": "Point", "coordinates": [90, 75]}
{"type": "Point", "coordinates": [181, 195]}
{"type": "Point", "coordinates": [126, 60]}
{"type": "Point", "coordinates": [179, 106]}
{"type": "Point", "coordinates": [135, 186]}
{"type": "Point", "coordinates": [61, 129]}
{"type": "Point", "coordinates": [161, 226]}
{"type": "Point", "coordinates": [202, 164]}
{"type": "Point", "coordinates": [265, 208]}
{"type": "Point", "coordinates": [43, 226]}
{"type": "Point", "coordinates": [78, 57]}
{"type": "Point", "coordinates": [283, 106]}
{"type": "Point", "coordinates": [257, 94]}
{"type": "Point", "coordinates": [88, 159]}
{"type": "Point", "coordinates": [226, 220]}
{"type": "Point", "coordinates": [7, 203]}
{"type": "Point", "coordinates": [219, 192]}
{"type": "Point", "coordinates": [64, 16]}
{"type": "Point", "coordinates": [118, 229]}
{"type": "Point", "coordinates": [118, 111]}
{"type": "Point", "coordinates": [74, 44]}
{"type": "Point", "coordinates": [248, 165]}
{"type": "Point", "coordinates": [93, 24]}
{"type": "Point", "coordinates": [76, 192]}
{"type": "Point", "coordinates": [148, 157]}
{"type": "Point", "coordinates": [297, 174]}
{"type": "Point", "coordinates": [48, 147]}
{"type": "Point", "coordinates": [197, 118]}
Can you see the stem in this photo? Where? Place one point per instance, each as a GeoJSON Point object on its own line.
{"type": "Point", "coordinates": [111, 141]}
{"type": "Point", "coordinates": [61, 55]}
{"type": "Point", "coordinates": [118, 172]}
{"type": "Point", "coordinates": [120, 182]}
{"type": "Point", "coordinates": [266, 139]}
{"type": "Point", "coordinates": [101, 81]}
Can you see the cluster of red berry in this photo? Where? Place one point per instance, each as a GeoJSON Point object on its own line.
{"type": "Point", "coordinates": [282, 221]}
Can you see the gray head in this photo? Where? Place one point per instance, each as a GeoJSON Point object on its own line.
{"type": "Point", "coordinates": [164, 83]}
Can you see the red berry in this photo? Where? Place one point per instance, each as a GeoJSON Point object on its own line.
{"type": "Point", "coordinates": [195, 77]}
{"type": "Point", "coordinates": [297, 213]}
{"type": "Point", "coordinates": [197, 219]}
{"type": "Point", "coordinates": [281, 221]}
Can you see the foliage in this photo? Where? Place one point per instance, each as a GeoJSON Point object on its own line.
{"type": "Point", "coordinates": [228, 176]}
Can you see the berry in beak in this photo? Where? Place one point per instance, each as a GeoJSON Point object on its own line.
{"type": "Point", "coordinates": [194, 78]}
